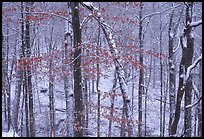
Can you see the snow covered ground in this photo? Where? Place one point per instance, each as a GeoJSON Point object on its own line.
{"type": "Point", "coordinates": [9, 134]}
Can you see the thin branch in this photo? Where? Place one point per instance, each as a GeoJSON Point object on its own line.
{"type": "Point", "coordinates": [189, 69]}
{"type": "Point", "coordinates": [195, 24]}
{"type": "Point", "coordinates": [161, 11]}
{"type": "Point", "coordinates": [52, 14]}
{"type": "Point", "coordinates": [192, 105]}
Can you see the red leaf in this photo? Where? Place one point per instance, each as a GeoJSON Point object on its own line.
{"type": "Point", "coordinates": [103, 10]}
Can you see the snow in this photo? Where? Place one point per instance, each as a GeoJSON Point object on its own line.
{"type": "Point", "coordinates": [9, 134]}
{"type": "Point", "coordinates": [76, 7]}
{"type": "Point", "coordinates": [185, 42]}
{"type": "Point", "coordinates": [182, 76]}
{"type": "Point", "coordinates": [190, 68]}
{"type": "Point", "coordinates": [171, 35]}
{"type": "Point", "coordinates": [194, 24]}
{"type": "Point", "coordinates": [105, 85]}
{"type": "Point", "coordinates": [90, 5]}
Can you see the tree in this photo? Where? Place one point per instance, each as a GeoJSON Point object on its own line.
{"type": "Point", "coordinates": [141, 76]}
{"type": "Point", "coordinates": [185, 81]}
{"type": "Point", "coordinates": [78, 108]}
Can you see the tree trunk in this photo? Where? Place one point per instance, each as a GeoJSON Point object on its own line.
{"type": "Point", "coordinates": [112, 104]}
{"type": "Point", "coordinates": [141, 75]}
{"type": "Point", "coordinates": [200, 104]}
{"type": "Point", "coordinates": [187, 55]}
{"type": "Point", "coordinates": [67, 76]}
{"type": "Point", "coordinates": [188, 86]}
{"type": "Point", "coordinates": [29, 76]}
{"type": "Point", "coordinates": [171, 73]}
{"type": "Point", "coordinates": [51, 87]}
{"type": "Point", "coordinates": [161, 77]}
{"type": "Point", "coordinates": [78, 129]}
{"type": "Point", "coordinates": [97, 87]}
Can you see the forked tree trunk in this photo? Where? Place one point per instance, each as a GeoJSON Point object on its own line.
{"type": "Point", "coordinates": [187, 55]}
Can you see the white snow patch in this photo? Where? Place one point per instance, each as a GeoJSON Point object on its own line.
{"type": "Point", "coordinates": [9, 134]}
{"type": "Point", "coordinates": [193, 24]}
{"type": "Point", "coordinates": [182, 76]}
{"type": "Point", "coordinates": [185, 42]}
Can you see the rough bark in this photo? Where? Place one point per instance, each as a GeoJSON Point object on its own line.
{"type": "Point", "coordinates": [187, 55]}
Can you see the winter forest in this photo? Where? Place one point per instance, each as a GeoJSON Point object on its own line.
{"type": "Point", "coordinates": [102, 69]}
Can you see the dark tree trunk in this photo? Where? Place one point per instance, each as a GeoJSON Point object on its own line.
{"type": "Point", "coordinates": [171, 73]}
{"type": "Point", "coordinates": [97, 87]}
{"type": "Point", "coordinates": [78, 108]}
{"type": "Point", "coordinates": [187, 55]}
{"type": "Point", "coordinates": [188, 86]}
{"type": "Point", "coordinates": [141, 75]}
{"type": "Point", "coordinates": [29, 76]}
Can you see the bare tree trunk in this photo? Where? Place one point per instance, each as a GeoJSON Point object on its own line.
{"type": "Point", "coordinates": [51, 87]}
{"type": "Point", "coordinates": [187, 55]}
{"type": "Point", "coordinates": [97, 87]}
{"type": "Point", "coordinates": [122, 128]}
{"type": "Point", "coordinates": [161, 77]}
{"type": "Point", "coordinates": [78, 122]}
{"type": "Point", "coordinates": [141, 76]}
{"type": "Point", "coordinates": [171, 74]}
{"type": "Point", "coordinates": [4, 75]}
{"type": "Point", "coordinates": [172, 79]}
{"type": "Point", "coordinates": [29, 76]}
{"type": "Point", "coordinates": [200, 104]}
{"type": "Point", "coordinates": [148, 82]}
{"type": "Point", "coordinates": [112, 104]}
{"type": "Point", "coordinates": [188, 87]}
{"type": "Point", "coordinates": [67, 77]}
{"type": "Point", "coordinates": [165, 101]}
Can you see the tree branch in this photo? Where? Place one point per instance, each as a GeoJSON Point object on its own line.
{"type": "Point", "coordinates": [192, 105]}
{"type": "Point", "coordinates": [190, 68]}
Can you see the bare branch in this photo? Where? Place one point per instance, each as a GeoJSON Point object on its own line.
{"type": "Point", "coordinates": [192, 105]}
{"type": "Point", "coordinates": [161, 11]}
{"type": "Point", "coordinates": [190, 68]}
{"type": "Point", "coordinates": [195, 24]}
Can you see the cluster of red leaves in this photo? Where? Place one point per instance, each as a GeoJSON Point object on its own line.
{"type": "Point", "coordinates": [37, 18]}
{"type": "Point", "coordinates": [8, 10]}
{"type": "Point", "coordinates": [27, 63]}
{"type": "Point", "coordinates": [105, 110]}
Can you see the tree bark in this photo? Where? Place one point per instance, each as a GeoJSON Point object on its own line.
{"type": "Point", "coordinates": [187, 55]}
{"type": "Point", "coordinates": [141, 75]}
{"type": "Point", "coordinates": [78, 128]}
{"type": "Point", "coordinates": [171, 73]}
{"type": "Point", "coordinates": [188, 86]}
{"type": "Point", "coordinates": [112, 104]}
{"type": "Point", "coordinates": [29, 75]}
